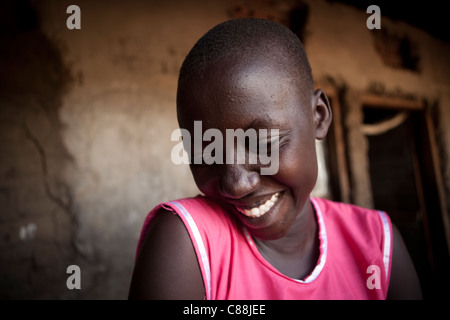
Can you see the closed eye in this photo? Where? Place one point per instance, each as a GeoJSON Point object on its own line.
{"type": "Point", "coordinates": [273, 143]}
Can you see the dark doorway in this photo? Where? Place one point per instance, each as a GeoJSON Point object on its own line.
{"type": "Point", "coordinates": [403, 182]}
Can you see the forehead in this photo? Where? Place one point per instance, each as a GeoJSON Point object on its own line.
{"type": "Point", "coordinates": [238, 90]}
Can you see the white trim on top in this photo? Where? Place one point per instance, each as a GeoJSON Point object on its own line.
{"type": "Point", "coordinates": [387, 242]}
{"type": "Point", "coordinates": [200, 245]}
{"type": "Point", "coordinates": [323, 245]}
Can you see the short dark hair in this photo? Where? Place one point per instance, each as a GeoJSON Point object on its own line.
{"type": "Point", "coordinates": [248, 36]}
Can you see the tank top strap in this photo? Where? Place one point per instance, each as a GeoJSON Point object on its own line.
{"type": "Point", "coordinates": [205, 222]}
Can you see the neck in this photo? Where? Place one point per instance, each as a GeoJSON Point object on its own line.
{"type": "Point", "coordinates": [300, 239]}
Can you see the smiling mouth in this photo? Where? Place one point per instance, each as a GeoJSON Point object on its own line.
{"type": "Point", "coordinates": [260, 210]}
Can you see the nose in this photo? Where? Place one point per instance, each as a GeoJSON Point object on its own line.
{"type": "Point", "coordinates": [236, 181]}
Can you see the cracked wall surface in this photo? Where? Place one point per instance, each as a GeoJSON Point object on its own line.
{"type": "Point", "coordinates": [86, 117]}
{"type": "Point", "coordinates": [86, 122]}
{"type": "Point", "coordinates": [38, 218]}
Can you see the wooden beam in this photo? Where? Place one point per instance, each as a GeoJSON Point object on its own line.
{"type": "Point", "coordinates": [370, 100]}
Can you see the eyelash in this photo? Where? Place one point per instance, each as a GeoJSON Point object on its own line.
{"type": "Point", "coordinates": [283, 142]}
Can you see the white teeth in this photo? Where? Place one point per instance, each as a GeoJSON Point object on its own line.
{"type": "Point", "coordinates": [262, 209]}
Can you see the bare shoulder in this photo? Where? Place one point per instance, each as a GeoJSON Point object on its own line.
{"type": "Point", "coordinates": [167, 265]}
{"type": "Point", "coordinates": [404, 283]}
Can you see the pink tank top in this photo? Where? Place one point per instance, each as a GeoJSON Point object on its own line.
{"type": "Point", "coordinates": [354, 261]}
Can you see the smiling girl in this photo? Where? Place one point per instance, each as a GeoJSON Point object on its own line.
{"type": "Point", "coordinates": [255, 236]}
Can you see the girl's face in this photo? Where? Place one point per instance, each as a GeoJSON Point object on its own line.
{"type": "Point", "coordinates": [256, 94]}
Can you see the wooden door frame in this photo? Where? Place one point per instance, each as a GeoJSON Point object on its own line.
{"type": "Point", "coordinates": [337, 150]}
{"type": "Point", "coordinates": [375, 101]}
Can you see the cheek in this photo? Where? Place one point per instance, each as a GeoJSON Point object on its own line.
{"type": "Point", "coordinates": [202, 179]}
{"type": "Point", "coordinates": [298, 168]}
{"type": "Point", "coordinates": [207, 179]}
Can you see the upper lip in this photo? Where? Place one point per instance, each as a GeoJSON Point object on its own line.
{"type": "Point", "coordinates": [252, 202]}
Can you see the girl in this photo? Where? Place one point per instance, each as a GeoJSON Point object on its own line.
{"type": "Point", "coordinates": [255, 236]}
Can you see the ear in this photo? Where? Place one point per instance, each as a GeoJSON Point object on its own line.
{"type": "Point", "coordinates": [322, 113]}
